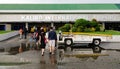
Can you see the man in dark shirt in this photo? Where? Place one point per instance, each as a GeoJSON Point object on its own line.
{"type": "Point", "coordinates": [52, 37]}
{"type": "Point", "coordinates": [25, 32]}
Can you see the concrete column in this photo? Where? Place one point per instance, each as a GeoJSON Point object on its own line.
{"type": "Point", "coordinates": [7, 27]}
{"type": "Point", "coordinates": [103, 25]}
{"type": "Point", "coordinates": [26, 25]}
{"type": "Point", "coordinates": [52, 24]}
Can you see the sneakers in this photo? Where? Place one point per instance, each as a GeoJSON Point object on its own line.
{"type": "Point", "coordinates": [53, 53]}
{"type": "Point", "coordinates": [43, 54]}
{"type": "Point", "coordinates": [50, 53]}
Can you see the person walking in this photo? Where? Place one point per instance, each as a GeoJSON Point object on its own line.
{"type": "Point", "coordinates": [52, 37]}
{"type": "Point", "coordinates": [42, 41]}
{"type": "Point", "coordinates": [21, 33]}
{"type": "Point", "coordinates": [25, 32]}
{"type": "Point", "coordinates": [30, 41]}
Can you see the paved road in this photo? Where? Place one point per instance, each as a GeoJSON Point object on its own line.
{"type": "Point", "coordinates": [34, 57]}
{"type": "Point", "coordinates": [82, 59]}
{"type": "Point", "coordinates": [108, 59]}
{"type": "Point", "coordinates": [110, 45]}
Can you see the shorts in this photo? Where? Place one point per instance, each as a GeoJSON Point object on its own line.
{"type": "Point", "coordinates": [52, 43]}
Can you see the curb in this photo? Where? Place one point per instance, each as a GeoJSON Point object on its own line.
{"type": "Point", "coordinates": [9, 35]}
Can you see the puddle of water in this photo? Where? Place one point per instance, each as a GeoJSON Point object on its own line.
{"type": "Point", "coordinates": [2, 50]}
{"type": "Point", "coordinates": [85, 57]}
{"type": "Point", "coordinates": [49, 62]}
{"type": "Point", "coordinates": [80, 54]}
{"type": "Point", "coordinates": [106, 60]}
{"type": "Point", "coordinates": [15, 50]}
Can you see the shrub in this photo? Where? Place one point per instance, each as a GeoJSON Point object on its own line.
{"type": "Point", "coordinates": [80, 29]}
{"type": "Point", "coordinates": [93, 24]}
{"type": "Point", "coordinates": [74, 29]}
{"type": "Point", "coordinates": [82, 25]}
{"type": "Point", "coordinates": [87, 30]}
{"type": "Point", "coordinates": [65, 28]}
{"type": "Point", "coordinates": [93, 29]}
{"type": "Point", "coordinates": [80, 22]}
{"type": "Point", "coordinates": [62, 29]}
{"type": "Point", "coordinates": [97, 28]}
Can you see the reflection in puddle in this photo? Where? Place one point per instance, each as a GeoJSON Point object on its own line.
{"type": "Point", "coordinates": [74, 59]}
{"type": "Point", "coordinates": [2, 50]}
{"type": "Point", "coordinates": [94, 56]}
{"type": "Point", "coordinates": [81, 55]}
{"type": "Point", "coordinates": [53, 59]}
{"type": "Point", "coordinates": [107, 59]}
{"type": "Point", "coordinates": [18, 49]}
{"type": "Point", "coordinates": [42, 63]}
{"type": "Point", "coordinates": [48, 63]}
{"type": "Point", "coordinates": [61, 55]}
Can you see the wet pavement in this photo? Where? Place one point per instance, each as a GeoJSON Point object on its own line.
{"type": "Point", "coordinates": [83, 59]}
{"type": "Point", "coordinates": [109, 59]}
{"type": "Point", "coordinates": [77, 59]}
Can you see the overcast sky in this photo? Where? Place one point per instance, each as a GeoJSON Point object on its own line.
{"type": "Point", "coordinates": [60, 1]}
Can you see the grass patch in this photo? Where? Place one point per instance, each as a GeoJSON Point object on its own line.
{"type": "Point", "coordinates": [13, 63]}
{"type": "Point", "coordinates": [3, 32]}
{"type": "Point", "coordinates": [108, 32]}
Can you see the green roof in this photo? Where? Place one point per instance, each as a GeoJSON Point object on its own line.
{"type": "Point", "coordinates": [59, 6]}
{"type": "Point", "coordinates": [118, 5]}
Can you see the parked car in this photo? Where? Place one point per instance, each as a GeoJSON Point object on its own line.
{"type": "Point", "coordinates": [92, 41]}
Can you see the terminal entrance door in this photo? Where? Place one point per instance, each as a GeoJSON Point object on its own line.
{"type": "Point", "coordinates": [17, 26]}
{"type": "Point", "coordinates": [112, 26]}
{"type": "Point", "coordinates": [2, 27]}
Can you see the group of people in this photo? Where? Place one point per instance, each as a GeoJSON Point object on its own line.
{"type": "Point", "coordinates": [41, 38]}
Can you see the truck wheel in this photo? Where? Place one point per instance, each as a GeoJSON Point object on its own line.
{"type": "Point", "coordinates": [96, 42]}
{"type": "Point", "coordinates": [68, 42]}
{"type": "Point", "coordinates": [68, 49]}
{"type": "Point", "coordinates": [96, 49]}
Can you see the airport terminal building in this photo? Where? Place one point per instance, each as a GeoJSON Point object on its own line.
{"type": "Point", "coordinates": [15, 16]}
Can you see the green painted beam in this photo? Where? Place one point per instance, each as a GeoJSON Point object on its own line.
{"type": "Point", "coordinates": [59, 7]}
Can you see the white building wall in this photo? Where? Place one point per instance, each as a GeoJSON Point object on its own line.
{"type": "Point", "coordinates": [57, 17]}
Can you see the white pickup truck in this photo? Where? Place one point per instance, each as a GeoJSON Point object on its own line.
{"type": "Point", "coordinates": [92, 41]}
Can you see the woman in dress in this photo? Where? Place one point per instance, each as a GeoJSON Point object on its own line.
{"type": "Point", "coordinates": [42, 41]}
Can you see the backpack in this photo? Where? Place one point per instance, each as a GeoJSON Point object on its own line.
{"type": "Point", "coordinates": [35, 35]}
